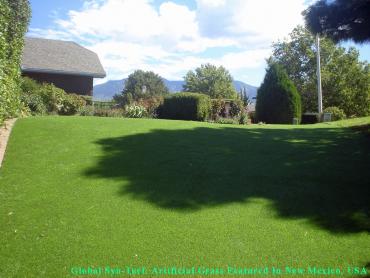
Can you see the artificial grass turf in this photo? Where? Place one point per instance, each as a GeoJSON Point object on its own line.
{"type": "Point", "coordinates": [87, 191]}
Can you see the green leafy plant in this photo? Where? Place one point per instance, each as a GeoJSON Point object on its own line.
{"type": "Point", "coordinates": [336, 113]}
{"type": "Point", "coordinates": [14, 19]}
{"type": "Point", "coordinates": [71, 104]}
{"type": "Point", "coordinates": [87, 110]}
{"type": "Point", "coordinates": [135, 111]}
{"type": "Point", "coordinates": [186, 106]}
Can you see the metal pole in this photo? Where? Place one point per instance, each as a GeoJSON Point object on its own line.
{"type": "Point", "coordinates": [318, 72]}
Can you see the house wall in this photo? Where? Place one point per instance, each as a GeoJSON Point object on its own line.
{"type": "Point", "coordinates": [82, 85]}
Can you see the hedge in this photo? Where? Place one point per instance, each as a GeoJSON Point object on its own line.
{"type": "Point", "coordinates": [14, 19]}
{"type": "Point", "coordinates": [186, 106]}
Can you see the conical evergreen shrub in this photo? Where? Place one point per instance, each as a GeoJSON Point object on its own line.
{"type": "Point", "coordinates": [278, 101]}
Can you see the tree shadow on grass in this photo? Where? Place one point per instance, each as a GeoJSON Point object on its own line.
{"type": "Point", "coordinates": [317, 174]}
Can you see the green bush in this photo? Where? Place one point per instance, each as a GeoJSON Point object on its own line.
{"type": "Point", "coordinates": [336, 113]}
{"type": "Point", "coordinates": [278, 101]}
{"type": "Point", "coordinates": [186, 106]}
{"type": "Point", "coordinates": [46, 98]}
{"type": "Point", "coordinates": [135, 111]}
{"type": "Point", "coordinates": [236, 108]}
{"type": "Point", "coordinates": [243, 118]}
{"type": "Point", "coordinates": [87, 110]}
{"type": "Point", "coordinates": [31, 98]}
{"type": "Point", "coordinates": [71, 104]}
{"type": "Point", "coordinates": [14, 19]}
{"type": "Point", "coordinates": [88, 99]}
{"type": "Point", "coordinates": [217, 107]}
{"type": "Point", "coordinates": [227, 121]}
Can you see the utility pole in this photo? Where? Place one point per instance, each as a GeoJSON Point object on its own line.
{"type": "Point", "coordinates": [318, 72]}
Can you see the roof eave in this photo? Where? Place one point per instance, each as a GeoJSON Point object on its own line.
{"type": "Point", "coordinates": [52, 71]}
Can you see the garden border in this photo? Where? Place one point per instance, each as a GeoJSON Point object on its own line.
{"type": "Point", "coordinates": [5, 131]}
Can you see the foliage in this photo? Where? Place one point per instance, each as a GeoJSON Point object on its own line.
{"type": "Point", "coordinates": [340, 19]}
{"type": "Point", "coordinates": [243, 118]}
{"type": "Point", "coordinates": [135, 111]}
{"type": "Point", "coordinates": [236, 107]}
{"type": "Point", "coordinates": [108, 112]}
{"type": "Point", "coordinates": [151, 105]}
{"type": "Point", "coordinates": [88, 99]}
{"type": "Point", "coordinates": [336, 113]}
{"type": "Point", "coordinates": [217, 108]}
{"type": "Point", "coordinates": [186, 106]}
{"type": "Point", "coordinates": [345, 80]}
{"type": "Point", "coordinates": [87, 110]}
{"type": "Point", "coordinates": [278, 101]}
{"type": "Point", "coordinates": [71, 104]}
{"type": "Point", "coordinates": [210, 80]}
{"type": "Point", "coordinates": [245, 97]}
{"type": "Point", "coordinates": [226, 108]}
{"type": "Point", "coordinates": [46, 98]}
{"type": "Point", "coordinates": [226, 121]}
{"type": "Point", "coordinates": [141, 85]}
{"type": "Point", "coordinates": [14, 19]}
{"type": "Point", "coordinates": [30, 96]}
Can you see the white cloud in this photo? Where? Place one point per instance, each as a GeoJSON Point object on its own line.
{"type": "Point", "coordinates": [170, 39]}
{"type": "Point", "coordinates": [249, 20]}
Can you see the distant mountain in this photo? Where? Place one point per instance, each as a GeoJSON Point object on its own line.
{"type": "Point", "coordinates": [107, 90]}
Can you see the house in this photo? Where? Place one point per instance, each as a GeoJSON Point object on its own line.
{"type": "Point", "coordinates": [66, 64]}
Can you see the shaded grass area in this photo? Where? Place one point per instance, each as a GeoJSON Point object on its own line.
{"type": "Point", "coordinates": [95, 191]}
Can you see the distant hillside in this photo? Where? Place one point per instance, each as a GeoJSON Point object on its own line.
{"type": "Point", "coordinates": [107, 90]}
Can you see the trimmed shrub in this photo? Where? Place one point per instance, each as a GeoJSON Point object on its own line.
{"type": "Point", "coordinates": [311, 118]}
{"type": "Point", "coordinates": [336, 113]}
{"type": "Point", "coordinates": [186, 106]}
{"type": "Point", "coordinates": [278, 101]}
{"type": "Point", "coordinates": [14, 19]}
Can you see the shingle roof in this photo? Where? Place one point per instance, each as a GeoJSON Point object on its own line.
{"type": "Point", "coordinates": [65, 57]}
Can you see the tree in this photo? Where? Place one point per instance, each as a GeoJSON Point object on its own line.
{"type": "Point", "coordinates": [345, 80]}
{"type": "Point", "coordinates": [340, 19]}
{"type": "Point", "coordinates": [141, 85]}
{"type": "Point", "coordinates": [278, 101]}
{"type": "Point", "coordinates": [210, 80]}
{"type": "Point", "coordinates": [245, 97]}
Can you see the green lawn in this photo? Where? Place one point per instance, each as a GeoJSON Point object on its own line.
{"type": "Point", "coordinates": [87, 191]}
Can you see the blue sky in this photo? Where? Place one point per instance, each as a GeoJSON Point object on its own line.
{"type": "Point", "coordinates": [173, 36]}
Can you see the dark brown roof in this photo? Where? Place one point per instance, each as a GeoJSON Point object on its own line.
{"type": "Point", "coordinates": [64, 57]}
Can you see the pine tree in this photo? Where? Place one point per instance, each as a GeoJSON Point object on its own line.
{"type": "Point", "coordinates": [278, 101]}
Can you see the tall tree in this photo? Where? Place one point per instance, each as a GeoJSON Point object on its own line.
{"type": "Point", "coordinates": [210, 80]}
{"type": "Point", "coordinates": [345, 80]}
{"type": "Point", "coordinates": [340, 19]}
{"type": "Point", "coordinates": [141, 85]}
{"type": "Point", "coordinates": [278, 101]}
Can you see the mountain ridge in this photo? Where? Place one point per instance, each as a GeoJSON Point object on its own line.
{"type": "Point", "coordinates": [107, 90]}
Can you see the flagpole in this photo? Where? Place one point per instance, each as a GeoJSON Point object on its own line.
{"type": "Point", "coordinates": [318, 72]}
